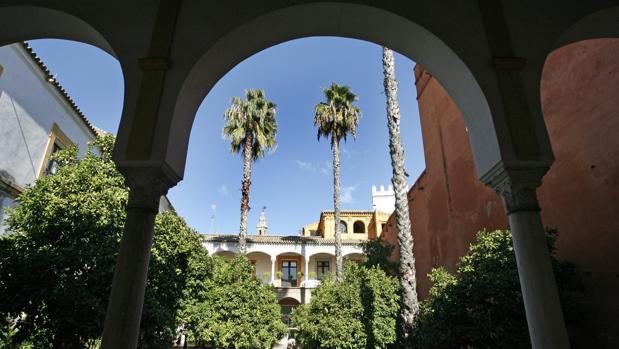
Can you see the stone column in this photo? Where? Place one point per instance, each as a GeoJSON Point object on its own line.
{"type": "Point", "coordinates": [541, 300]}
{"type": "Point", "coordinates": [124, 311]}
{"type": "Point", "coordinates": [273, 259]}
{"type": "Point", "coordinates": [306, 272]}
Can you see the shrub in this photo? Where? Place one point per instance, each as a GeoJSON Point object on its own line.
{"type": "Point", "coordinates": [358, 312]}
{"type": "Point", "coordinates": [482, 306]}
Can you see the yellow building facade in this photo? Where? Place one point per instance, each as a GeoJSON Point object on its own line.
{"type": "Point", "coordinates": [356, 225]}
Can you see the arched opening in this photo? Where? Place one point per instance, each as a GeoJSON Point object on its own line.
{"type": "Point", "coordinates": [320, 265]}
{"type": "Point", "coordinates": [343, 227]}
{"type": "Point", "coordinates": [353, 21]}
{"type": "Point", "coordinates": [224, 254]}
{"type": "Point", "coordinates": [359, 227]}
{"type": "Point", "coordinates": [50, 100]}
{"type": "Point", "coordinates": [287, 306]}
{"type": "Point", "coordinates": [262, 265]}
{"type": "Point", "coordinates": [583, 137]}
{"type": "Point", "coordinates": [355, 257]}
{"type": "Point", "coordinates": [290, 269]}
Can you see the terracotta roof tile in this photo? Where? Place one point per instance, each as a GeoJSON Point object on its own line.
{"type": "Point", "coordinates": [278, 240]}
{"type": "Point", "coordinates": [52, 80]}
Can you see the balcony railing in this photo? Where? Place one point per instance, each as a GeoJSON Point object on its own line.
{"type": "Point", "coordinates": [311, 283]}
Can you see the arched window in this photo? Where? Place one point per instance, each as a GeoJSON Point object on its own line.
{"type": "Point", "coordinates": [343, 227]}
{"type": "Point", "coordinates": [358, 227]}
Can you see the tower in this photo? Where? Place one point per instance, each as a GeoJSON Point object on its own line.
{"type": "Point", "coordinates": [262, 223]}
{"type": "Point", "coordinates": [383, 200]}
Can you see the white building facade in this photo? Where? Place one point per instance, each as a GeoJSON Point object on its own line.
{"type": "Point", "coordinates": [37, 118]}
{"type": "Point", "coordinates": [293, 264]}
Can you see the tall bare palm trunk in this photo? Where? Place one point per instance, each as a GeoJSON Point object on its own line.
{"type": "Point", "coordinates": [339, 262]}
{"type": "Point", "coordinates": [409, 303]}
{"type": "Point", "coordinates": [247, 155]}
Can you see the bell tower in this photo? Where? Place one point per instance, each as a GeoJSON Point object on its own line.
{"type": "Point", "coordinates": [262, 227]}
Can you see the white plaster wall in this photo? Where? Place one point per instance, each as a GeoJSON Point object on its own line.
{"type": "Point", "coordinates": [29, 106]}
{"type": "Point", "coordinates": [263, 265]}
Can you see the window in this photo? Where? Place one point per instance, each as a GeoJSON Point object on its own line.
{"type": "Point", "coordinates": [52, 164]}
{"type": "Point", "coordinates": [322, 268]}
{"type": "Point", "coordinates": [358, 227]}
{"type": "Point", "coordinates": [289, 273]}
{"type": "Point", "coordinates": [343, 227]}
{"type": "Point", "coordinates": [57, 141]}
{"type": "Point", "coordinates": [382, 227]}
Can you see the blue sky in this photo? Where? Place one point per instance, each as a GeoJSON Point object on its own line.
{"type": "Point", "coordinates": [295, 181]}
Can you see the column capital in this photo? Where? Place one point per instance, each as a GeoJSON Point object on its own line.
{"type": "Point", "coordinates": [146, 185]}
{"type": "Point", "coordinates": [516, 186]}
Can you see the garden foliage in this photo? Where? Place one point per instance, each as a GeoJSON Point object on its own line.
{"type": "Point", "coordinates": [232, 308]}
{"type": "Point", "coordinates": [358, 312]}
{"type": "Point", "coordinates": [57, 262]}
{"type": "Point", "coordinates": [481, 305]}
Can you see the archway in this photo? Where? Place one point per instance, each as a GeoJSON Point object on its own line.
{"type": "Point", "coordinates": [353, 21]}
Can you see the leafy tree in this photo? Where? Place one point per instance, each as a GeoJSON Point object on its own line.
{"type": "Point", "coordinates": [232, 308]}
{"type": "Point", "coordinates": [481, 306]}
{"type": "Point", "coordinates": [377, 252]}
{"type": "Point", "coordinates": [358, 312]}
{"type": "Point", "coordinates": [251, 129]}
{"type": "Point", "coordinates": [409, 306]}
{"type": "Point", "coordinates": [175, 248]}
{"type": "Point", "coordinates": [336, 118]}
{"type": "Point", "coordinates": [57, 262]}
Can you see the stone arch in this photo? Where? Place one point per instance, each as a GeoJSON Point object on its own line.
{"type": "Point", "coordinates": [354, 256]}
{"type": "Point", "coordinates": [45, 23]}
{"type": "Point", "coordinates": [358, 227]}
{"type": "Point", "coordinates": [343, 227]}
{"type": "Point", "coordinates": [600, 24]}
{"type": "Point", "coordinates": [343, 20]}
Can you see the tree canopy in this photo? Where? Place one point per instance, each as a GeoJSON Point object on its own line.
{"type": "Point", "coordinates": [232, 308]}
{"type": "Point", "coordinates": [336, 117]}
{"type": "Point", "coordinates": [481, 305]}
{"type": "Point", "coordinates": [251, 120]}
{"type": "Point", "coordinates": [358, 312]}
{"type": "Point", "coordinates": [57, 262]}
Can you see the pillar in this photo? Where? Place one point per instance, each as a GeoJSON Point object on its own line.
{"type": "Point", "coordinates": [306, 271]}
{"type": "Point", "coordinates": [539, 291]}
{"type": "Point", "coordinates": [124, 311]}
{"type": "Point", "coordinates": [273, 259]}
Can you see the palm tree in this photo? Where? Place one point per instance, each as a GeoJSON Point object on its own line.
{"type": "Point", "coordinates": [409, 306]}
{"type": "Point", "coordinates": [335, 118]}
{"type": "Point", "coordinates": [251, 129]}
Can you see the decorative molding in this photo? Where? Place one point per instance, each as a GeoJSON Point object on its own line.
{"type": "Point", "coordinates": [146, 186]}
{"type": "Point", "coordinates": [516, 186]}
{"type": "Point", "coordinates": [56, 136]}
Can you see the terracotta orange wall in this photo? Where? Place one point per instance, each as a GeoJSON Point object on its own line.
{"type": "Point", "coordinates": [579, 195]}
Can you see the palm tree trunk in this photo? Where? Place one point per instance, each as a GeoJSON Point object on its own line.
{"type": "Point", "coordinates": [339, 262]}
{"type": "Point", "coordinates": [247, 156]}
{"type": "Point", "coordinates": [409, 304]}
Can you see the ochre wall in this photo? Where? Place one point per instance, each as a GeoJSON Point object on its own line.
{"type": "Point", "coordinates": [579, 195]}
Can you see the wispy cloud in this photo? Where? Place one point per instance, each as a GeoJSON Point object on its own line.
{"type": "Point", "coordinates": [346, 194]}
{"type": "Point", "coordinates": [346, 153]}
{"type": "Point", "coordinates": [223, 190]}
{"type": "Point", "coordinates": [326, 168]}
{"type": "Point", "coordinates": [306, 166]}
